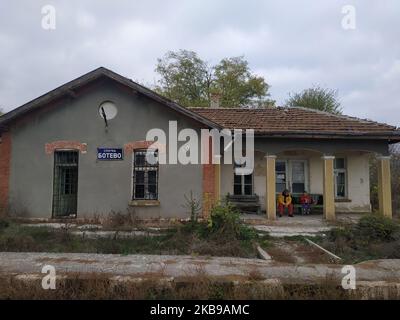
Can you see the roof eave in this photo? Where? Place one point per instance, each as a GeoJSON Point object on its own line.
{"type": "Point", "coordinates": [69, 87]}
{"type": "Point", "coordinates": [393, 136]}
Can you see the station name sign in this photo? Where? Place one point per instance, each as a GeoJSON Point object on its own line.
{"type": "Point", "coordinates": [110, 154]}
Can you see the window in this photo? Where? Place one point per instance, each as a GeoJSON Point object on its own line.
{"type": "Point", "coordinates": [145, 175]}
{"type": "Point", "coordinates": [242, 184]}
{"type": "Point", "coordinates": [291, 174]}
{"type": "Point", "coordinates": [340, 177]}
{"type": "Point", "coordinates": [280, 178]}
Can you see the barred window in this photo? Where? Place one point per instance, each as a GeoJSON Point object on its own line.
{"type": "Point", "coordinates": [145, 175]}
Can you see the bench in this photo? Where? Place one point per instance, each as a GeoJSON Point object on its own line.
{"type": "Point", "coordinates": [251, 203]}
{"type": "Point", "coordinates": [316, 207]}
{"type": "Point", "coordinates": [246, 203]}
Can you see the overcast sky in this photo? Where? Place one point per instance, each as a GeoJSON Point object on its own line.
{"type": "Point", "coordinates": [293, 44]}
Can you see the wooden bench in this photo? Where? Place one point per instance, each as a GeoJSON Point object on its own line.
{"type": "Point", "coordinates": [246, 203]}
{"type": "Point", "coordinates": [316, 207]}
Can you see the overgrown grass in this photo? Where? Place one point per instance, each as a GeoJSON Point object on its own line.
{"type": "Point", "coordinates": [223, 235]}
{"type": "Point", "coordinates": [198, 286]}
{"type": "Point", "coordinates": [373, 237]}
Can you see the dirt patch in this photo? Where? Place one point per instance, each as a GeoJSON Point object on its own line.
{"type": "Point", "coordinates": [296, 252]}
{"type": "Point", "coordinates": [313, 255]}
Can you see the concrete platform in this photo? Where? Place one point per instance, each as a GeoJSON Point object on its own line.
{"type": "Point", "coordinates": [177, 266]}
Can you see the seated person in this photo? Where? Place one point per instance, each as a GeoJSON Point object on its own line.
{"type": "Point", "coordinates": [306, 201]}
{"type": "Point", "coordinates": [285, 201]}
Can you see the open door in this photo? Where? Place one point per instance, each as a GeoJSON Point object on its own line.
{"type": "Point", "coordinates": [65, 184]}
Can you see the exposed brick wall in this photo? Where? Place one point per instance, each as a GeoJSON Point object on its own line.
{"type": "Point", "coordinates": [64, 144]}
{"type": "Point", "coordinates": [143, 144]}
{"type": "Point", "coordinates": [208, 181]}
{"type": "Point", "coordinates": [5, 162]}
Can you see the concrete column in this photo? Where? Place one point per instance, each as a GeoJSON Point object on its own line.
{"type": "Point", "coordinates": [384, 186]}
{"type": "Point", "coordinates": [328, 187]}
{"type": "Point", "coordinates": [270, 194]}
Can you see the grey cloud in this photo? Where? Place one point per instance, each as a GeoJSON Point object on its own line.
{"type": "Point", "coordinates": [292, 44]}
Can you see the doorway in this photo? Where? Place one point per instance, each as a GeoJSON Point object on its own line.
{"type": "Point", "coordinates": [65, 183]}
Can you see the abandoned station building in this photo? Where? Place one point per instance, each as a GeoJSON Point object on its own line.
{"type": "Point", "coordinates": [78, 151]}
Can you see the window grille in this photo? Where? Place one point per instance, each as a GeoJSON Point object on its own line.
{"type": "Point", "coordinates": [145, 175]}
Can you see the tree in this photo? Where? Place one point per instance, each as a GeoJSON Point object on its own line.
{"type": "Point", "coordinates": [190, 81]}
{"type": "Point", "coordinates": [185, 78]}
{"type": "Point", "coordinates": [316, 98]}
{"type": "Point", "coordinates": [237, 85]}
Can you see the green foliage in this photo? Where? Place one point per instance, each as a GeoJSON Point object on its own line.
{"type": "Point", "coordinates": [185, 78]}
{"type": "Point", "coordinates": [373, 237]}
{"type": "Point", "coordinates": [190, 81]}
{"type": "Point", "coordinates": [370, 228]}
{"type": "Point", "coordinates": [238, 86]}
{"type": "Point", "coordinates": [225, 221]}
{"type": "Point", "coordinates": [395, 180]}
{"type": "Point", "coordinates": [188, 239]}
{"type": "Point", "coordinates": [316, 98]}
{"type": "Point", "coordinates": [4, 223]}
{"type": "Point", "coordinates": [377, 228]}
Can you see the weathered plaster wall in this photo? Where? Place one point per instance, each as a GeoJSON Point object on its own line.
{"type": "Point", "coordinates": [103, 185]}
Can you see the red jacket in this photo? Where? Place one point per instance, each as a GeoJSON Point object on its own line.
{"type": "Point", "coordinates": [304, 199]}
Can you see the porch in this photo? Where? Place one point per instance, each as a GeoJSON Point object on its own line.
{"type": "Point", "coordinates": [335, 173]}
{"type": "Point", "coordinates": [308, 226]}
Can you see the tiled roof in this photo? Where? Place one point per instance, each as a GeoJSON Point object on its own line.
{"type": "Point", "coordinates": [296, 120]}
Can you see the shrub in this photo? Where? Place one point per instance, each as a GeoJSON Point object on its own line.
{"type": "Point", "coordinates": [225, 220]}
{"type": "Point", "coordinates": [372, 227]}
{"type": "Point", "coordinates": [4, 223]}
{"type": "Point", "coordinates": [373, 237]}
{"type": "Point", "coordinates": [375, 227]}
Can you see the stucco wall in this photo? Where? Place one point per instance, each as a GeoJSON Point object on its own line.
{"type": "Point", "coordinates": [103, 185]}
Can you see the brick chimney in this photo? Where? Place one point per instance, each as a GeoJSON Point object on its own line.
{"type": "Point", "coordinates": [214, 100]}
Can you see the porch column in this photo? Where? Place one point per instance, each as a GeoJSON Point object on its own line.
{"type": "Point", "coordinates": [384, 186]}
{"type": "Point", "coordinates": [328, 188]}
{"type": "Point", "coordinates": [270, 196]}
{"type": "Point", "coordinates": [217, 178]}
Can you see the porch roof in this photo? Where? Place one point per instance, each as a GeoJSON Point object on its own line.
{"type": "Point", "coordinates": [297, 121]}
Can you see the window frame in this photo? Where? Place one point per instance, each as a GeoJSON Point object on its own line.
{"type": "Point", "coordinates": [57, 205]}
{"type": "Point", "coordinates": [289, 173]}
{"type": "Point", "coordinates": [146, 168]}
{"type": "Point", "coordinates": [242, 184]}
{"type": "Point", "coordinates": [336, 171]}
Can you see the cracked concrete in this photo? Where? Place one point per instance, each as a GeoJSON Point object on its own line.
{"type": "Point", "coordinates": [176, 266]}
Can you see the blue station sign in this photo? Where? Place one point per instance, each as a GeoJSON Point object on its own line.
{"type": "Point", "coordinates": [110, 154]}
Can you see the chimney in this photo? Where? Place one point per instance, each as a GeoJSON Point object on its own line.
{"type": "Point", "coordinates": [214, 100]}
